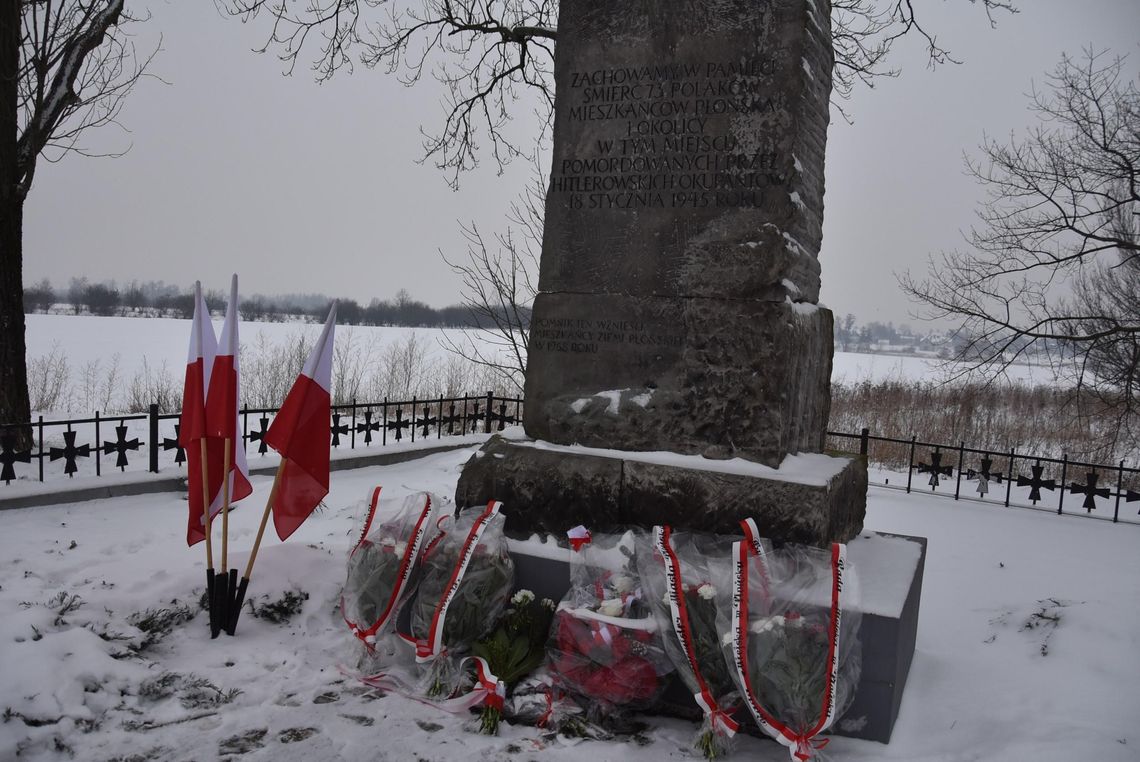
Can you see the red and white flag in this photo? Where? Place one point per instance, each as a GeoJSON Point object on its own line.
{"type": "Point", "coordinates": [301, 433]}
{"type": "Point", "coordinates": [222, 407]}
{"type": "Point", "coordinates": [192, 427]}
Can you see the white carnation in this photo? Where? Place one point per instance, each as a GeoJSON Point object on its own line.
{"type": "Point", "coordinates": [522, 597]}
{"type": "Point", "coordinates": [623, 584]}
{"type": "Point", "coordinates": [706, 591]}
{"type": "Point", "coordinates": [612, 607]}
{"type": "Point", "coordinates": [767, 624]}
{"type": "Point", "coordinates": [399, 548]}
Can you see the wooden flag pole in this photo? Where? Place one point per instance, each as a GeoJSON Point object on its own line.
{"type": "Point", "coordinates": [231, 625]}
{"type": "Point", "coordinates": [225, 589]}
{"type": "Point", "coordinates": [211, 585]}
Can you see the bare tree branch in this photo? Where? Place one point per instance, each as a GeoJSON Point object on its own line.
{"type": "Point", "coordinates": [489, 54]}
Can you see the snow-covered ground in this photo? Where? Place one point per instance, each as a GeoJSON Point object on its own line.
{"type": "Point", "coordinates": [1028, 643]}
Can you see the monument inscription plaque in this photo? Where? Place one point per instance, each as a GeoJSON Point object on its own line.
{"type": "Point", "coordinates": [683, 219]}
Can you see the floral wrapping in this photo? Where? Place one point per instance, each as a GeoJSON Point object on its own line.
{"type": "Point", "coordinates": [466, 583]}
{"type": "Point", "coordinates": [382, 567]}
{"type": "Point", "coordinates": [682, 574]}
{"type": "Point", "coordinates": [605, 648]}
{"type": "Point", "coordinates": [791, 636]}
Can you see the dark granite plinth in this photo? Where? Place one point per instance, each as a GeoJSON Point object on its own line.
{"type": "Point", "coordinates": [813, 499]}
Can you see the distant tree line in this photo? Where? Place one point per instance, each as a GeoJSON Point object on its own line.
{"type": "Point", "coordinates": [160, 299]}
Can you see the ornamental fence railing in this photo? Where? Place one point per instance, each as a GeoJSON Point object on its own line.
{"type": "Point", "coordinates": [108, 443]}
{"type": "Point", "coordinates": [1003, 477]}
{"type": "Point", "coordinates": [99, 444]}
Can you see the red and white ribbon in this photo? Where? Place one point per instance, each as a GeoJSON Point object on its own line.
{"type": "Point", "coordinates": [720, 721]}
{"type": "Point", "coordinates": [404, 573]}
{"type": "Point", "coordinates": [431, 647]}
{"type": "Point", "coordinates": [801, 746]}
{"type": "Point", "coordinates": [578, 536]}
{"type": "Point", "coordinates": [752, 537]}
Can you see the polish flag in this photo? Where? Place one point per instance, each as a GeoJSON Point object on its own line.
{"type": "Point", "coordinates": [222, 408]}
{"type": "Point", "coordinates": [192, 427]}
{"type": "Point", "coordinates": [301, 433]}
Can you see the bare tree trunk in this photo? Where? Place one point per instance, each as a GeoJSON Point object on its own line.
{"type": "Point", "coordinates": [14, 407]}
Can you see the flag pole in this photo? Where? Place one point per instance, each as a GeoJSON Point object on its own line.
{"type": "Point", "coordinates": [225, 589]}
{"type": "Point", "coordinates": [239, 599]}
{"type": "Point", "coordinates": [211, 583]}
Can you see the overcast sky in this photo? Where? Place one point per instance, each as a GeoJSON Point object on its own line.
{"type": "Point", "coordinates": [302, 187]}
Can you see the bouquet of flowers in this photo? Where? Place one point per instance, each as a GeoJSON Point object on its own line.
{"type": "Point", "coordinates": [382, 565]}
{"type": "Point", "coordinates": [467, 580]}
{"type": "Point", "coordinates": [515, 648]}
{"type": "Point", "coordinates": [678, 575]}
{"type": "Point", "coordinates": [605, 649]}
{"type": "Point", "coordinates": [792, 640]}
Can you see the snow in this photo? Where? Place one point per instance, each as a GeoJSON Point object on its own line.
{"type": "Point", "coordinates": [979, 687]}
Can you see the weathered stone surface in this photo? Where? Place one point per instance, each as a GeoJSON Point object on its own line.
{"type": "Point", "coordinates": [683, 221]}
{"type": "Point", "coordinates": [689, 148]}
{"type": "Point", "coordinates": [694, 376]}
{"type": "Point", "coordinates": [552, 490]}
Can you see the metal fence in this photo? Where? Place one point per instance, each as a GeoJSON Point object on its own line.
{"type": "Point", "coordinates": [94, 445]}
{"type": "Point", "coordinates": [1009, 478]}
{"type": "Point", "coordinates": [1006, 478]}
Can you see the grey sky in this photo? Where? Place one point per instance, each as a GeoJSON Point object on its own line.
{"type": "Point", "coordinates": [302, 187]}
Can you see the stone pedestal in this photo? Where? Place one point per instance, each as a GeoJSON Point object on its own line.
{"type": "Point", "coordinates": [812, 498]}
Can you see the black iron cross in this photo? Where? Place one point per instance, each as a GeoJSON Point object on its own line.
{"type": "Point", "coordinates": [1089, 490]}
{"type": "Point", "coordinates": [427, 421]}
{"type": "Point", "coordinates": [69, 452]}
{"type": "Point", "coordinates": [121, 445]}
{"type": "Point", "coordinates": [398, 424]}
{"type": "Point", "coordinates": [174, 444]}
{"type": "Point", "coordinates": [338, 428]}
{"type": "Point", "coordinates": [259, 435]}
{"type": "Point", "coordinates": [367, 427]}
{"type": "Point", "coordinates": [474, 418]}
{"type": "Point", "coordinates": [935, 469]}
{"type": "Point", "coordinates": [502, 416]}
{"type": "Point", "coordinates": [9, 455]}
{"type": "Point", "coordinates": [984, 476]}
{"type": "Point", "coordinates": [450, 419]}
{"type": "Point", "coordinates": [1036, 483]}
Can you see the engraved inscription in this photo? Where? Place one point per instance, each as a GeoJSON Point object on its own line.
{"type": "Point", "coordinates": [670, 136]}
{"type": "Point", "coordinates": [588, 336]}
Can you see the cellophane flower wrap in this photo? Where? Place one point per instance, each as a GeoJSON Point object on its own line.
{"type": "Point", "coordinates": [466, 584]}
{"type": "Point", "coordinates": [514, 649]}
{"type": "Point", "coordinates": [383, 568]}
{"type": "Point", "coordinates": [791, 634]}
{"type": "Point", "coordinates": [605, 647]}
{"type": "Point", "coordinates": [682, 575]}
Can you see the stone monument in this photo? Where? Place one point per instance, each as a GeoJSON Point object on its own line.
{"type": "Point", "coordinates": [679, 363]}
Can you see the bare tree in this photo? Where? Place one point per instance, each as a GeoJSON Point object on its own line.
{"type": "Point", "coordinates": [500, 279]}
{"type": "Point", "coordinates": [1054, 264]}
{"type": "Point", "coordinates": [486, 53]}
{"type": "Point", "coordinates": [66, 68]}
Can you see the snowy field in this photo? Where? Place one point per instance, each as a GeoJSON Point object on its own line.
{"type": "Point", "coordinates": [1028, 643]}
{"type": "Point", "coordinates": [83, 339]}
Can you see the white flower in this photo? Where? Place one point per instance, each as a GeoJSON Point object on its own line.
{"type": "Point", "coordinates": [706, 591]}
{"type": "Point", "coordinates": [399, 548]}
{"type": "Point", "coordinates": [522, 597]}
{"type": "Point", "coordinates": [727, 639]}
{"type": "Point", "coordinates": [623, 584]}
{"type": "Point", "coordinates": [667, 599]}
{"type": "Point", "coordinates": [612, 607]}
{"type": "Point", "coordinates": [767, 624]}
{"type": "Point", "coordinates": [548, 604]}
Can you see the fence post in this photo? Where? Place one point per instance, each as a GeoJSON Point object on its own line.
{"type": "Point", "coordinates": [490, 407]}
{"type": "Point", "coordinates": [98, 449]}
{"type": "Point", "coordinates": [864, 441]}
{"type": "Point", "coordinates": [352, 428]}
{"type": "Point", "coordinates": [1064, 475]}
{"type": "Point", "coordinates": [961, 459]}
{"type": "Point", "coordinates": [1010, 478]}
{"type": "Point", "coordinates": [41, 427]}
{"type": "Point", "coordinates": [1119, 488]}
{"type": "Point", "coordinates": [910, 466]}
{"type": "Point", "coordinates": [153, 419]}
